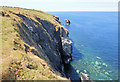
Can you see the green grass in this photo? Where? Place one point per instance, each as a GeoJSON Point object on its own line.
{"type": "Point", "coordinates": [35, 10]}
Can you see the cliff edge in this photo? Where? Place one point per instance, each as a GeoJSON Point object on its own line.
{"type": "Point", "coordinates": [35, 46]}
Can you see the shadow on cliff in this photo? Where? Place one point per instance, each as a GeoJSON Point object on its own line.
{"type": "Point", "coordinates": [41, 35]}
{"type": "Point", "coordinates": [76, 53]}
{"type": "Point", "coordinates": [70, 71]}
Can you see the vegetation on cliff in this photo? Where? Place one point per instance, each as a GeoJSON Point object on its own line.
{"type": "Point", "coordinates": [31, 45]}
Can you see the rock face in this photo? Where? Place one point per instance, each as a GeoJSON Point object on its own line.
{"type": "Point", "coordinates": [67, 50]}
{"type": "Point", "coordinates": [66, 46]}
{"type": "Point", "coordinates": [57, 19]}
{"type": "Point", "coordinates": [48, 37]}
{"type": "Point", "coordinates": [67, 22]}
{"type": "Point", "coordinates": [36, 41]}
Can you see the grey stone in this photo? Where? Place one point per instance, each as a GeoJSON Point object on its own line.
{"type": "Point", "coordinates": [67, 50]}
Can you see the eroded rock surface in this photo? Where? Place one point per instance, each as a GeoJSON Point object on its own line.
{"type": "Point", "coordinates": [67, 50]}
{"type": "Point", "coordinates": [67, 22]}
{"type": "Point", "coordinates": [42, 36]}
{"type": "Point", "coordinates": [66, 46]}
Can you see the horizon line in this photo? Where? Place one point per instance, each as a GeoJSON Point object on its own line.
{"type": "Point", "coordinates": [81, 11]}
{"type": "Point", "coordinates": [69, 10]}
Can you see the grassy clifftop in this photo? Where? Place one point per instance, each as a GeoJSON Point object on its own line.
{"type": "Point", "coordinates": [24, 37]}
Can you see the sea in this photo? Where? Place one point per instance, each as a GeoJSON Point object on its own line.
{"type": "Point", "coordinates": [95, 44]}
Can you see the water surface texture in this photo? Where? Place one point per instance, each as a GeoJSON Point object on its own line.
{"type": "Point", "coordinates": [95, 43]}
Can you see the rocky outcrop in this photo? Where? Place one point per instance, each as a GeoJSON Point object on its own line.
{"type": "Point", "coordinates": [57, 19]}
{"type": "Point", "coordinates": [85, 77]}
{"type": "Point", "coordinates": [55, 46]}
{"type": "Point", "coordinates": [67, 22]}
{"type": "Point", "coordinates": [67, 50]}
{"type": "Point", "coordinates": [42, 35]}
{"type": "Point", "coordinates": [4, 14]}
{"type": "Point", "coordinates": [66, 46]}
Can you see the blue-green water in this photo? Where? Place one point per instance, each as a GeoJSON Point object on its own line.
{"type": "Point", "coordinates": [95, 42]}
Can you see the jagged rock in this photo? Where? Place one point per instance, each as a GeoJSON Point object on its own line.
{"type": "Point", "coordinates": [84, 77]}
{"type": "Point", "coordinates": [2, 13]}
{"type": "Point", "coordinates": [63, 33]}
{"type": "Point", "coordinates": [57, 19]}
{"type": "Point", "coordinates": [67, 50]}
{"type": "Point", "coordinates": [67, 22]}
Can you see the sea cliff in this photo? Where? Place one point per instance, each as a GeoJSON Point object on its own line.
{"type": "Point", "coordinates": [35, 46]}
